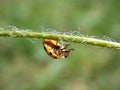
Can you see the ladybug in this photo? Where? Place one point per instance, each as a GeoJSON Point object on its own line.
{"type": "Point", "coordinates": [55, 49]}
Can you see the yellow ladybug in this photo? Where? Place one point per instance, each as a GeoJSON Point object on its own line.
{"type": "Point", "coordinates": [54, 49]}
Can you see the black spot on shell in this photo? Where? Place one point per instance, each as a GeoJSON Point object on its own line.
{"type": "Point", "coordinates": [55, 57]}
{"type": "Point", "coordinates": [44, 47]}
{"type": "Point", "coordinates": [50, 53]}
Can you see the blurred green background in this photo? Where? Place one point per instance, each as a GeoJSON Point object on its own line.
{"type": "Point", "coordinates": [24, 65]}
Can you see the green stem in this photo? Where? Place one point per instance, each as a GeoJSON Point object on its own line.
{"type": "Point", "coordinates": [64, 37]}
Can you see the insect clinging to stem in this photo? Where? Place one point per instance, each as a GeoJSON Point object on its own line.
{"type": "Point", "coordinates": [55, 49]}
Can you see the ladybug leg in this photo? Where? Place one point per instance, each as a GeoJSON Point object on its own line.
{"type": "Point", "coordinates": [65, 46]}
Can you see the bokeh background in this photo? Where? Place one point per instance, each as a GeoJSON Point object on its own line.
{"type": "Point", "coordinates": [24, 65]}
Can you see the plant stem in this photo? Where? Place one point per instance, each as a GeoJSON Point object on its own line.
{"type": "Point", "coordinates": [64, 37]}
